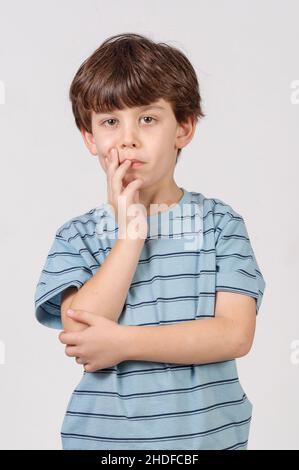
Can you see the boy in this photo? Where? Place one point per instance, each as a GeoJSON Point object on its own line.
{"type": "Point", "coordinates": [158, 321]}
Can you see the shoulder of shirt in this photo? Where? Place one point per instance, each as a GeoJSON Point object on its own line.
{"type": "Point", "coordinates": [83, 223]}
{"type": "Point", "coordinates": [219, 213]}
{"type": "Point", "coordinates": [218, 208]}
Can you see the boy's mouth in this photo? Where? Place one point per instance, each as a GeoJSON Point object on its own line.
{"type": "Point", "coordinates": [135, 164]}
{"type": "Point", "coordinates": [133, 160]}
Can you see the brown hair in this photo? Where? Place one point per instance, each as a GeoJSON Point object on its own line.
{"type": "Point", "coordinates": [130, 70]}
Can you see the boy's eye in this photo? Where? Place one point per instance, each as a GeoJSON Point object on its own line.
{"type": "Point", "coordinates": [111, 119]}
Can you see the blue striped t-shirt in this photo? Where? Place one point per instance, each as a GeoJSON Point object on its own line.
{"type": "Point", "coordinates": [198, 247]}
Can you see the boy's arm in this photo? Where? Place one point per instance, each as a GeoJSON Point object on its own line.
{"type": "Point", "coordinates": [226, 336]}
{"type": "Point", "coordinates": [68, 323]}
{"type": "Point", "coordinates": [105, 293]}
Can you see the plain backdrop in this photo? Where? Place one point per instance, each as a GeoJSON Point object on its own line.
{"type": "Point", "coordinates": [244, 152]}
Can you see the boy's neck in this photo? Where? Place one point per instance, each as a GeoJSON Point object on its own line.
{"type": "Point", "coordinates": [168, 196]}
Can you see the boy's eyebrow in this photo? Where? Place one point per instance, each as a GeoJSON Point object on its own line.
{"type": "Point", "coordinates": [142, 108]}
{"type": "Point", "coordinates": [152, 106]}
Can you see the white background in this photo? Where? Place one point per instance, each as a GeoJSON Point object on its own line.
{"type": "Point", "coordinates": [244, 152]}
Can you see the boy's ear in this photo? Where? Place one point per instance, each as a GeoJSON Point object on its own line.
{"type": "Point", "coordinates": [89, 141]}
{"type": "Point", "coordinates": [185, 132]}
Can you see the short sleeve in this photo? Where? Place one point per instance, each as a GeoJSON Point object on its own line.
{"type": "Point", "coordinates": [65, 266]}
{"type": "Point", "coordinates": [237, 269]}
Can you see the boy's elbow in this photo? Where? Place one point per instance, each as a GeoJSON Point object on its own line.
{"type": "Point", "coordinates": [243, 346]}
{"type": "Point", "coordinates": [244, 335]}
{"type": "Point", "coordinates": [70, 325]}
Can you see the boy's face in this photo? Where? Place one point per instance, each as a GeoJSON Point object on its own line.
{"type": "Point", "coordinates": [150, 134]}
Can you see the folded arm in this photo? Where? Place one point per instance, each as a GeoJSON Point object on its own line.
{"type": "Point", "coordinates": [226, 336]}
{"type": "Point", "coordinates": [105, 292]}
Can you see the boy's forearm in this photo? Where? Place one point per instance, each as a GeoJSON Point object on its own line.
{"type": "Point", "coordinates": [105, 293]}
{"type": "Point", "coordinates": [193, 342]}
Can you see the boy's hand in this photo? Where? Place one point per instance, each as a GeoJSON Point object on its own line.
{"type": "Point", "coordinates": [121, 197]}
{"type": "Point", "coordinates": [100, 345]}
